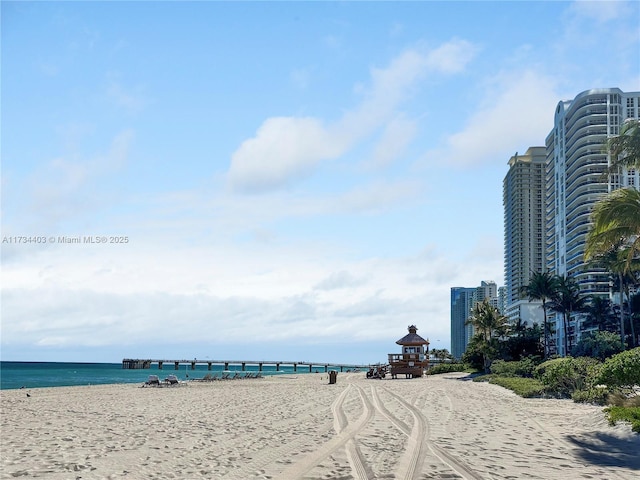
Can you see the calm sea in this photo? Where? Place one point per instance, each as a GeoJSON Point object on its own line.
{"type": "Point", "coordinates": [50, 374]}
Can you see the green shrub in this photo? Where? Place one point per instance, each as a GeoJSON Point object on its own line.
{"type": "Point", "coordinates": [446, 368]}
{"type": "Point", "coordinates": [483, 378]}
{"type": "Point", "coordinates": [598, 395]}
{"type": "Point", "coordinates": [621, 370]}
{"type": "Point", "coordinates": [563, 376]}
{"type": "Point", "coordinates": [621, 399]}
{"type": "Point", "coordinates": [522, 368]}
{"type": "Point", "coordinates": [600, 345]}
{"type": "Point", "coordinates": [625, 414]}
{"type": "Point", "coordinates": [525, 387]}
{"type": "Point", "coordinates": [473, 355]}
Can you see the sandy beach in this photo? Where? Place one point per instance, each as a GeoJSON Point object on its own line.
{"type": "Point", "coordinates": [300, 427]}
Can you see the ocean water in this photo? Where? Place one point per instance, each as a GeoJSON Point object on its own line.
{"type": "Point", "coordinates": [53, 374]}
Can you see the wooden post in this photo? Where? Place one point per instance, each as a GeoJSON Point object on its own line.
{"type": "Point", "coordinates": [208, 365]}
{"type": "Point", "coordinates": [226, 365]}
{"type": "Point", "coordinates": [260, 367]}
{"type": "Point", "coordinates": [160, 365]}
{"type": "Point", "coordinates": [244, 366]}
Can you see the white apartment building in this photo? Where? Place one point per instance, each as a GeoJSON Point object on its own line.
{"type": "Point", "coordinates": [524, 225]}
{"type": "Point", "coordinates": [575, 181]}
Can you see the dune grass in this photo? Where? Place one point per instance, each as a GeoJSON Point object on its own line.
{"type": "Point", "coordinates": [624, 414]}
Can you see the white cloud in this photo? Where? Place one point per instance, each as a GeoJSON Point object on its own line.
{"type": "Point", "coordinates": [375, 197]}
{"type": "Point", "coordinates": [337, 280]}
{"type": "Point", "coordinates": [283, 150]}
{"type": "Point", "coordinates": [107, 297]}
{"type": "Point", "coordinates": [286, 149]}
{"type": "Point", "coordinates": [397, 135]}
{"type": "Point", "coordinates": [517, 114]}
{"type": "Point", "coordinates": [599, 11]}
{"type": "Point", "coordinates": [451, 57]}
{"type": "Point", "coordinates": [56, 187]}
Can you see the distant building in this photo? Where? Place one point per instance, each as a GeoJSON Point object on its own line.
{"type": "Point", "coordinates": [502, 300]}
{"type": "Point", "coordinates": [461, 302]}
{"type": "Point", "coordinates": [524, 226]}
{"type": "Point", "coordinates": [576, 179]}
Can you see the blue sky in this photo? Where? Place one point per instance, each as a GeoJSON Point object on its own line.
{"type": "Point", "coordinates": [296, 181]}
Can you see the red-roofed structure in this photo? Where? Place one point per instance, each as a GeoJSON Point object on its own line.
{"type": "Point", "coordinates": [414, 359]}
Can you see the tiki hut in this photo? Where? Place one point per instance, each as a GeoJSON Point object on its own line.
{"type": "Point", "coordinates": [414, 357]}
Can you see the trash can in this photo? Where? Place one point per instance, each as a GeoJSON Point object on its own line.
{"type": "Point", "coordinates": [333, 376]}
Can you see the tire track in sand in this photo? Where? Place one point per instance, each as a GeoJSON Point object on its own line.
{"type": "Point", "coordinates": [361, 470]}
{"type": "Point", "coordinates": [345, 434]}
{"type": "Point", "coordinates": [411, 462]}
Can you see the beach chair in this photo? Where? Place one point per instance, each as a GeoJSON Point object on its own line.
{"type": "Point", "coordinates": [171, 380]}
{"type": "Point", "coordinates": [153, 381]}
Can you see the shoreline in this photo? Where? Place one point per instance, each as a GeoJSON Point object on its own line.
{"type": "Point", "coordinates": [294, 428]}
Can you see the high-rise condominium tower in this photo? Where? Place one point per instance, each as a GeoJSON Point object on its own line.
{"type": "Point", "coordinates": [461, 303]}
{"type": "Point", "coordinates": [524, 222]}
{"type": "Point", "coordinates": [576, 180]}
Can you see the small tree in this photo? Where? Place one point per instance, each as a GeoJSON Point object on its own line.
{"type": "Point", "coordinates": [489, 324]}
{"type": "Point", "coordinates": [567, 301]}
{"type": "Point", "coordinates": [543, 287]}
{"type": "Point", "coordinates": [600, 314]}
{"type": "Point", "coordinates": [600, 345]}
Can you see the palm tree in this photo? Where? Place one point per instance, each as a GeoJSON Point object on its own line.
{"type": "Point", "coordinates": [615, 234]}
{"type": "Point", "coordinates": [616, 221]}
{"type": "Point", "coordinates": [543, 287]}
{"type": "Point", "coordinates": [624, 149]}
{"type": "Point", "coordinates": [566, 301]}
{"type": "Point", "coordinates": [489, 324]}
{"type": "Point", "coordinates": [608, 256]}
{"type": "Point", "coordinates": [599, 314]}
{"type": "Point", "coordinates": [614, 239]}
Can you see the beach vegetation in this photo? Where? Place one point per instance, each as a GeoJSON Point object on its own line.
{"type": "Point", "coordinates": [621, 399]}
{"type": "Point", "coordinates": [563, 376]}
{"type": "Point", "coordinates": [447, 368]}
{"type": "Point", "coordinates": [542, 286]}
{"type": "Point", "coordinates": [521, 368]}
{"type": "Point", "coordinates": [525, 387]}
{"type": "Point", "coordinates": [566, 301]}
{"type": "Point", "coordinates": [473, 355]}
{"type": "Point", "coordinates": [598, 395]}
{"type": "Point", "coordinates": [489, 326]}
{"type": "Point", "coordinates": [614, 239]}
{"type": "Point", "coordinates": [617, 414]}
{"type": "Point", "coordinates": [624, 149]}
{"type": "Point", "coordinates": [600, 315]}
{"type": "Point", "coordinates": [621, 370]}
{"type": "Point", "coordinates": [600, 345]}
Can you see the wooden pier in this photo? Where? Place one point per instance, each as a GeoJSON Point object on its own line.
{"type": "Point", "coordinates": [137, 363]}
